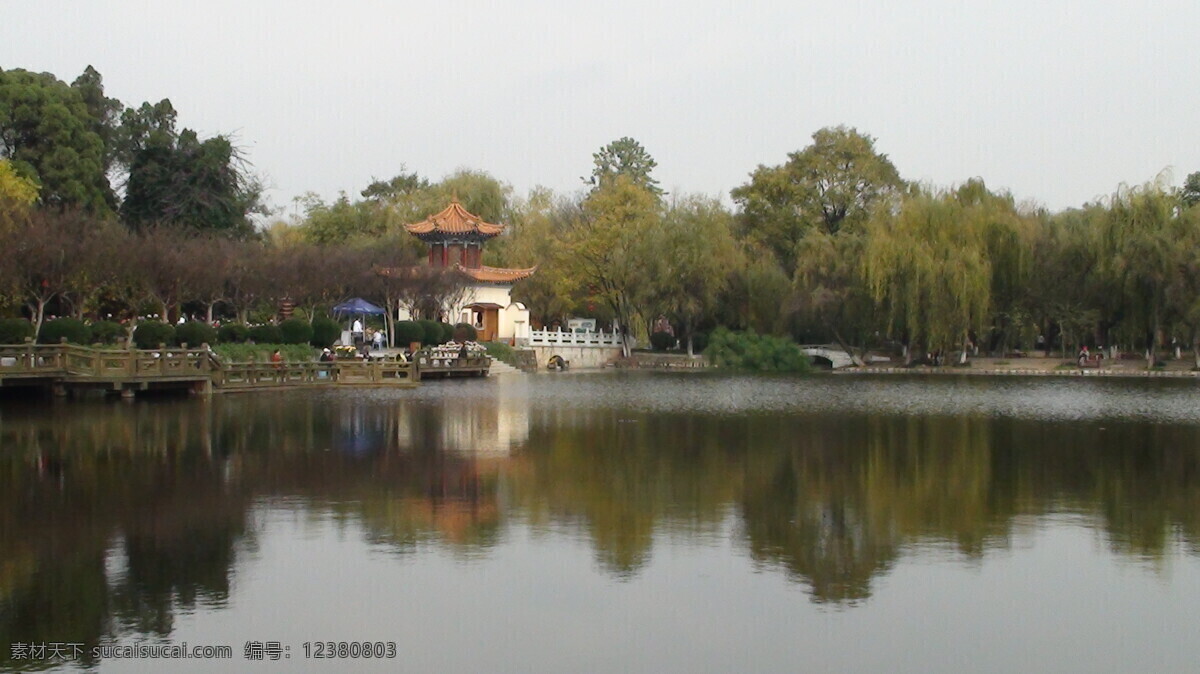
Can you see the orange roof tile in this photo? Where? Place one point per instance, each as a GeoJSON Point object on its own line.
{"type": "Point", "coordinates": [496, 274]}
{"type": "Point", "coordinates": [454, 219]}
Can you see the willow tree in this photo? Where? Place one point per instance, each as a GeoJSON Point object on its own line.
{"type": "Point", "coordinates": [1068, 294]}
{"type": "Point", "coordinates": [687, 256]}
{"type": "Point", "coordinates": [1009, 234]}
{"type": "Point", "coordinates": [757, 295]}
{"type": "Point", "coordinates": [601, 245]}
{"type": "Point", "coordinates": [829, 287]}
{"type": "Point", "coordinates": [926, 264]}
{"type": "Point", "coordinates": [1183, 289]}
{"type": "Point", "coordinates": [1143, 253]}
{"type": "Point", "coordinates": [538, 225]}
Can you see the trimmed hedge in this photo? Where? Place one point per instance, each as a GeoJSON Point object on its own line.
{"type": "Point", "coordinates": [465, 332]}
{"type": "Point", "coordinates": [408, 332]}
{"type": "Point", "coordinates": [149, 334]}
{"type": "Point", "coordinates": [266, 334]}
{"type": "Point", "coordinates": [447, 332]}
{"type": "Point", "coordinates": [431, 333]}
{"type": "Point", "coordinates": [661, 341]}
{"type": "Point", "coordinates": [233, 333]}
{"type": "Point", "coordinates": [751, 351]}
{"type": "Point", "coordinates": [195, 333]}
{"type": "Point", "coordinates": [107, 332]}
{"type": "Point", "coordinates": [75, 330]}
{"type": "Point", "coordinates": [15, 330]}
{"type": "Point", "coordinates": [325, 331]}
{"type": "Point", "coordinates": [295, 331]}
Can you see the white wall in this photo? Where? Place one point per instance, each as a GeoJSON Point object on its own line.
{"type": "Point", "coordinates": [514, 317]}
{"type": "Point", "coordinates": [580, 357]}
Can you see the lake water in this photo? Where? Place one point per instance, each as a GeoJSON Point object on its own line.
{"type": "Point", "coordinates": [613, 522]}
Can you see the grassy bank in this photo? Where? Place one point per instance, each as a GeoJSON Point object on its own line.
{"type": "Point", "coordinates": [259, 353]}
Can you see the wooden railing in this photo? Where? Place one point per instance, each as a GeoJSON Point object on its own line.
{"type": "Point", "coordinates": [430, 361]}
{"type": "Point", "coordinates": [265, 375]}
{"type": "Point", "coordinates": [30, 359]}
{"type": "Point", "coordinates": [71, 360]}
{"type": "Point", "coordinates": [75, 363]}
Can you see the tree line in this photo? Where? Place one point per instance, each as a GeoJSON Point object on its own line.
{"type": "Point", "coordinates": [73, 264]}
{"type": "Point", "coordinates": [831, 245]}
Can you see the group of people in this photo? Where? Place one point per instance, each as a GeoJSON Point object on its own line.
{"type": "Point", "coordinates": [375, 338]}
{"type": "Point", "coordinates": [1087, 358]}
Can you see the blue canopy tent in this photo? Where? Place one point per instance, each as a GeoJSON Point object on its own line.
{"type": "Point", "coordinates": [358, 306]}
{"type": "Point", "coordinates": [355, 307]}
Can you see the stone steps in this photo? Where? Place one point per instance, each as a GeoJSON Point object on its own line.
{"type": "Point", "coordinates": [500, 367]}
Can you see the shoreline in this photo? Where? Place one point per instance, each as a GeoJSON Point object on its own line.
{"type": "Point", "coordinates": [1034, 367]}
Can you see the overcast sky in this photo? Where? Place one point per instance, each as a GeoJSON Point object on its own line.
{"type": "Point", "coordinates": [1058, 102]}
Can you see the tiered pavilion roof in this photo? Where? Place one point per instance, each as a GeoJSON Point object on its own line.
{"type": "Point", "coordinates": [456, 237]}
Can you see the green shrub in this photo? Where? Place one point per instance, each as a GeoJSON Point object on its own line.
{"type": "Point", "coordinates": [750, 351]}
{"type": "Point", "coordinates": [431, 333]}
{"type": "Point", "coordinates": [107, 332]}
{"type": "Point", "coordinates": [15, 330]}
{"type": "Point", "coordinates": [699, 342]}
{"type": "Point", "coordinates": [465, 332]}
{"type": "Point", "coordinates": [233, 333]}
{"type": "Point", "coordinates": [408, 332]}
{"type": "Point", "coordinates": [195, 333]}
{"type": "Point", "coordinates": [661, 341]}
{"type": "Point", "coordinates": [75, 330]}
{"type": "Point", "coordinates": [500, 351]}
{"type": "Point", "coordinates": [295, 331]}
{"type": "Point", "coordinates": [149, 334]}
{"type": "Point", "coordinates": [261, 353]}
{"type": "Point", "coordinates": [325, 331]}
{"type": "Point", "coordinates": [447, 332]}
{"type": "Point", "coordinates": [266, 334]}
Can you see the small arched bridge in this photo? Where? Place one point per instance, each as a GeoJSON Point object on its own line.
{"type": "Point", "coordinates": [821, 354]}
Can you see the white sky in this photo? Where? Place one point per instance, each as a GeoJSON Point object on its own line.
{"type": "Point", "coordinates": [1057, 101]}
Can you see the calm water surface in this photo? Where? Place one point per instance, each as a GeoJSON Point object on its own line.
{"type": "Point", "coordinates": [617, 522]}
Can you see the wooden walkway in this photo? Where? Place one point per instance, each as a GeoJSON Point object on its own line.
{"type": "Point", "coordinates": [66, 367]}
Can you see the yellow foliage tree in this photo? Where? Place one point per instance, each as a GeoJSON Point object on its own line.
{"type": "Point", "coordinates": [17, 194]}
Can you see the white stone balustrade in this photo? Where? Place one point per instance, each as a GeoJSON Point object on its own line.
{"type": "Point", "coordinates": [563, 338]}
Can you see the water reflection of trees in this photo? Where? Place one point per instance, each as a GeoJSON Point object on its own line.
{"type": "Point", "coordinates": [114, 518]}
{"type": "Point", "coordinates": [834, 502]}
{"type": "Point", "coordinates": [110, 523]}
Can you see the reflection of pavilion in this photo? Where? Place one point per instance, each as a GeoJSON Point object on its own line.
{"type": "Point", "coordinates": [484, 425]}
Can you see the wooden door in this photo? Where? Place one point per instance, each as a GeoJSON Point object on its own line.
{"type": "Point", "coordinates": [491, 325]}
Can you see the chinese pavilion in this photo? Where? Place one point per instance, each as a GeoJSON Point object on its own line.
{"type": "Point", "coordinates": [456, 237]}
